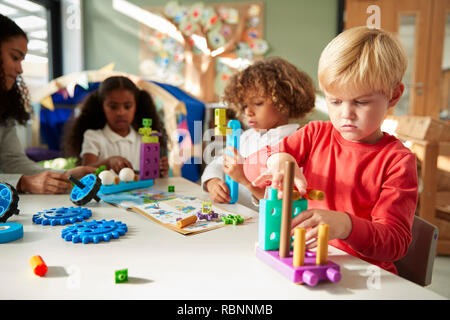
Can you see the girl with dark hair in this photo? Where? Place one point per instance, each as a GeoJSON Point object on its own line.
{"type": "Point", "coordinates": [15, 167]}
{"type": "Point", "coordinates": [106, 131]}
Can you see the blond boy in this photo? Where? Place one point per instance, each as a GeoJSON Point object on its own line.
{"type": "Point", "coordinates": [368, 176]}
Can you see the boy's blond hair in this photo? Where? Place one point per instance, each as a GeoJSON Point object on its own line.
{"type": "Point", "coordinates": [361, 58]}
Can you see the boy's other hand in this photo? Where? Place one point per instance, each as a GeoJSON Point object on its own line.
{"type": "Point", "coordinates": [339, 222]}
{"type": "Point", "coordinates": [218, 190]}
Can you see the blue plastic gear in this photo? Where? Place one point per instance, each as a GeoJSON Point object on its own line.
{"type": "Point", "coordinates": [85, 189]}
{"type": "Point", "coordinates": [9, 201]}
{"type": "Point", "coordinates": [61, 216]}
{"type": "Point", "coordinates": [94, 231]}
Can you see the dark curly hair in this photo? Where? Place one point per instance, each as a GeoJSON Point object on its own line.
{"type": "Point", "coordinates": [92, 115]}
{"type": "Point", "coordinates": [14, 102]}
{"type": "Point", "coordinates": [292, 91]}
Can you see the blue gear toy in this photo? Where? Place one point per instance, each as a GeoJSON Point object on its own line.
{"type": "Point", "coordinates": [85, 189]}
{"type": "Point", "coordinates": [62, 216]}
{"type": "Point", "coordinates": [9, 200]}
{"type": "Point", "coordinates": [94, 231]}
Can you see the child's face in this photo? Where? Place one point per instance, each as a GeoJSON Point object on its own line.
{"type": "Point", "coordinates": [358, 114]}
{"type": "Point", "coordinates": [261, 114]}
{"type": "Point", "coordinates": [119, 107]}
{"type": "Point", "coordinates": [13, 52]}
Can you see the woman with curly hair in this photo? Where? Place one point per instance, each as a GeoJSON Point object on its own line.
{"type": "Point", "coordinates": [15, 168]}
{"type": "Point", "coordinates": [267, 94]}
{"type": "Point", "coordinates": [106, 131]}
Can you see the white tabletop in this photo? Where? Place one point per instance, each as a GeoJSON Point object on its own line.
{"type": "Point", "coordinates": [163, 264]}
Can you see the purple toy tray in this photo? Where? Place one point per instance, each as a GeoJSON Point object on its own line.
{"type": "Point", "coordinates": [309, 273]}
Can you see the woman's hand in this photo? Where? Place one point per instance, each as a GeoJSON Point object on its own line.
{"type": "Point", "coordinates": [47, 182]}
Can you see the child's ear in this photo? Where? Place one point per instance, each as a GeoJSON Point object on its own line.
{"type": "Point", "coordinates": [396, 94]}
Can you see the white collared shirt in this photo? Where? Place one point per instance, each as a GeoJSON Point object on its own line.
{"type": "Point", "coordinates": [250, 142]}
{"type": "Point", "coordinates": [105, 143]}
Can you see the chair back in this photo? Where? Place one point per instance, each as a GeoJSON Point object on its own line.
{"type": "Point", "coordinates": [417, 264]}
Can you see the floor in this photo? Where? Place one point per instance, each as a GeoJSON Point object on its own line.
{"type": "Point", "coordinates": [440, 282]}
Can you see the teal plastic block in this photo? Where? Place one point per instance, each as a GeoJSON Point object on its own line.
{"type": "Point", "coordinates": [270, 219]}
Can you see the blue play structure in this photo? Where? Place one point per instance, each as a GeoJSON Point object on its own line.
{"type": "Point", "coordinates": [52, 122]}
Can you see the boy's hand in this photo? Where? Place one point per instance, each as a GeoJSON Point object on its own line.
{"type": "Point", "coordinates": [164, 167]}
{"type": "Point", "coordinates": [218, 190]}
{"type": "Point", "coordinates": [274, 174]}
{"type": "Point", "coordinates": [339, 222]}
{"type": "Point", "coordinates": [233, 165]}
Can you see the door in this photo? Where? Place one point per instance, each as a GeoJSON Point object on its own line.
{"type": "Point", "coordinates": [421, 27]}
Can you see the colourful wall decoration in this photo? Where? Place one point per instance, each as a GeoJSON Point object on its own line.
{"type": "Point", "coordinates": [212, 42]}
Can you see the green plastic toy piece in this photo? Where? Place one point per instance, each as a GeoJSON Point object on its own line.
{"type": "Point", "coordinates": [231, 219]}
{"type": "Point", "coordinates": [122, 276]}
{"type": "Point", "coordinates": [171, 189]}
{"type": "Point", "coordinates": [100, 169]}
{"type": "Point", "coordinates": [270, 219]}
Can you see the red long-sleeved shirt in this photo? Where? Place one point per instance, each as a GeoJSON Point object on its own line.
{"type": "Point", "coordinates": [376, 184]}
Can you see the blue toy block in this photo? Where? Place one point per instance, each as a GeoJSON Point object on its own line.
{"type": "Point", "coordinates": [125, 186]}
{"type": "Point", "coordinates": [270, 219]}
{"type": "Point", "coordinates": [233, 140]}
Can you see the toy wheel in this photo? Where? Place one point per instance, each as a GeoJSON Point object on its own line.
{"type": "Point", "coordinates": [85, 190]}
{"type": "Point", "coordinates": [9, 201]}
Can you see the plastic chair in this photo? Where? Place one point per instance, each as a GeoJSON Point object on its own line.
{"type": "Point", "coordinates": [417, 264]}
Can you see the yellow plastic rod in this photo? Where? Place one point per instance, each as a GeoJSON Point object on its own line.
{"type": "Point", "coordinates": [299, 247]}
{"type": "Point", "coordinates": [322, 244]}
{"type": "Point", "coordinates": [186, 221]}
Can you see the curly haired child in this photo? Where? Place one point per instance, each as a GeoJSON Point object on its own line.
{"type": "Point", "coordinates": [368, 176]}
{"type": "Point", "coordinates": [106, 131]}
{"type": "Point", "coordinates": [267, 94]}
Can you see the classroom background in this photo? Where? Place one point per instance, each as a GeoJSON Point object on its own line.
{"type": "Point", "coordinates": [75, 44]}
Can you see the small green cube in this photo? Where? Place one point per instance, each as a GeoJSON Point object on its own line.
{"type": "Point", "coordinates": [171, 189]}
{"type": "Point", "coordinates": [121, 275]}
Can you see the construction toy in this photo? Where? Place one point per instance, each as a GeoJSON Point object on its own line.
{"type": "Point", "coordinates": [299, 265]}
{"type": "Point", "coordinates": [231, 219]}
{"type": "Point", "coordinates": [210, 216]}
{"type": "Point", "coordinates": [10, 231]}
{"type": "Point", "coordinates": [100, 170]}
{"type": "Point", "coordinates": [149, 156]}
{"type": "Point", "coordinates": [186, 221]}
{"type": "Point", "coordinates": [233, 140]}
{"type": "Point", "coordinates": [85, 189]}
{"type": "Point", "coordinates": [38, 266]}
{"type": "Point", "coordinates": [62, 216]}
{"type": "Point", "coordinates": [220, 120]}
{"type": "Point", "coordinates": [206, 207]}
{"type": "Point", "coordinates": [9, 200]}
{"type": "Point", "coordinates": [94, 231]}
{"type": "Point", "coordinates": [171, 189]}
{"type": "Point", "coordinates": [126, 174]}
{"type": "Point", "coordinates": [121, 275]}
{"type": "Point", "coordinates": [233, 133]}
{"type": "Point", "coordinates": [270, 219]}
{"type": "Point", "coordinates": [107, 177]}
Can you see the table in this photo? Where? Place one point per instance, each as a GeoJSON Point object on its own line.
{"type": "Point", "coordinates": [163, 264]}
